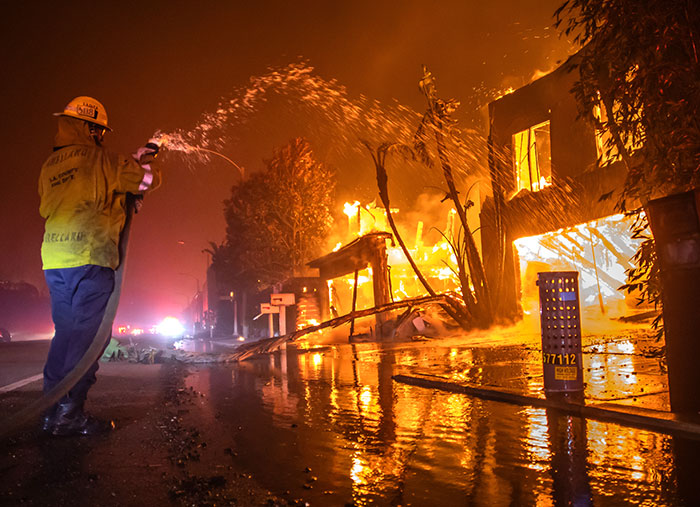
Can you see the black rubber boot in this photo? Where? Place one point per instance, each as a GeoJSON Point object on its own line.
{"type": "Point", "coordinates": [47, 419]}
{"type": "Point", "coordinates": [70, 420]}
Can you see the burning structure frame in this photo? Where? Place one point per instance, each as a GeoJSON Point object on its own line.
{"type": "Point", "coordinates": [547, 173]}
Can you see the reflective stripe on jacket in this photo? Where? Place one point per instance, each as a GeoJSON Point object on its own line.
{"type": "Point", "coordinates": [83, 190]}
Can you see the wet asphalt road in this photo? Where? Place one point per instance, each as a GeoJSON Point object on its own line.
{"type": "Point", "coordinates": [329, 426]}
{"type": "Point", "coordinates": [159, 454]}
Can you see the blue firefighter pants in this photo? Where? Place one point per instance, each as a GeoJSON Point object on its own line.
{"type": "Point", "coordinates": [78, 300]}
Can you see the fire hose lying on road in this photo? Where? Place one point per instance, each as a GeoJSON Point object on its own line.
{"type": "Point", "coordinates": [33, 410]}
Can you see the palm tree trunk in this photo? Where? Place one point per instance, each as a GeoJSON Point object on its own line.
{"type": "Point", "coordinates": [382, 183]}
{"type": "Point", "coordinates": [476, 267]}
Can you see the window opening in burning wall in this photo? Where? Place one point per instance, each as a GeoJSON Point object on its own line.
{"type": "Point", "coordinates": [608, 151]}
{"type": "Point", "coordinates": [532, 158]}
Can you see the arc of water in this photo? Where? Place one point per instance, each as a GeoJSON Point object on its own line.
{"type": "Point", "coordinates": [176, 143]}
{"type": "Point", "coordinates": [206, 150]}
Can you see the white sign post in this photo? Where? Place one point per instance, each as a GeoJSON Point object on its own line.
{"type": "Point", "coordinates": [269, 309]}
{"type": "Point", "coordinates": [281, 301]}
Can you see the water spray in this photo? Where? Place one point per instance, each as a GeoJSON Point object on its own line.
{"type": "Point", "coordinates": [174, 142]}
{"type": "Point", "coordinates": [332, 115]}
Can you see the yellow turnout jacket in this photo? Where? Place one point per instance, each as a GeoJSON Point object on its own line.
{"type": "Point", "coordinates": [83, 191]}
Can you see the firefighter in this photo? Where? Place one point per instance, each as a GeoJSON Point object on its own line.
{"type": "Point", "coordinates": [83, 190]}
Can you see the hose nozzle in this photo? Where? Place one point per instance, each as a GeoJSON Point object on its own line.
{"type": "Point", "coordinates": [152, 145]}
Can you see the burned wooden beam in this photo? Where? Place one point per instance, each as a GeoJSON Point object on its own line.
{"type": "Point", "coordinates": [263, 346]}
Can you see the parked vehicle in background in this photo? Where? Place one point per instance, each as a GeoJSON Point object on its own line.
{"type": "Point", "coordinates": [23, 309]}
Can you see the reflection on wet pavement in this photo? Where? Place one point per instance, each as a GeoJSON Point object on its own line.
{"type": "Point", "coordinates": [330, 425]}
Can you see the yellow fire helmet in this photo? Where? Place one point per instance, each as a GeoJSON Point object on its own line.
{"type": "Point", "coordinates": [87, 109]}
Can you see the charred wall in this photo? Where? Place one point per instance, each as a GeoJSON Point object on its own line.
{"type": "Point", "coordinates": [579, 189]}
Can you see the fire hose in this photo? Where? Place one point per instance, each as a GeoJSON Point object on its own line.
{"type": "Point", "coordinates": [93, 353]}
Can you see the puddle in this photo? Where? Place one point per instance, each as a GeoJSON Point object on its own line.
{"type": "Point", "coordinates": [332, 427]}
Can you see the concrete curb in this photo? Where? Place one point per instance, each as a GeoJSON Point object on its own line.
{"type": "Point", "coordinates": [664, 422]}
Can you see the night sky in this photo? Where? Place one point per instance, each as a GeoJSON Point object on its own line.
{"type": "Point", "coordinates": [160, 65]}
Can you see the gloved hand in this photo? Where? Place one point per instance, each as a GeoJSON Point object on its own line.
{"type": "Point", "coordinates": [146, 154]}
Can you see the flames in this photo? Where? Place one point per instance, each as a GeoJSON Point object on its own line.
{"type": "Point", "coordinates": [600, 251]}
{"type": "Point", "coordinates": [434, 256]}
{"type": "Point", "coordinates": [308, 313]}
{"type": "Point", "coordinates": [365, 218]}
{"type": "Point", "coordinates": [541, 184]}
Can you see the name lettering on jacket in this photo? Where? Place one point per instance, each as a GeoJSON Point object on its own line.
{"type": "Point", "coordinates": [54, 237]}
{"type": "Point", "coordinates": [65, 155]}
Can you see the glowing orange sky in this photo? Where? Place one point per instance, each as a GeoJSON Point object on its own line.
{"type": "Point", "coordinates": [159, 65]}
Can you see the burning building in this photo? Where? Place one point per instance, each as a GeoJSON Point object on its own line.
{"type": "Point", "coordinates": [553, 208]}
{"type": "Point", "coordinates": [555, 190]}
{"type": "Point", "coordinates": [367, 269]}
